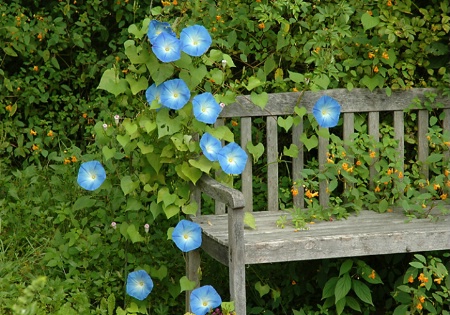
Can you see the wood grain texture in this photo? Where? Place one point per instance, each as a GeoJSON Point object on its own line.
{"type": "Point", "coordinates": [368, 233]}
{"type": "Point", "coordinates": [247, 175]}
{"type": "Point", "coordinates": [272, 163]}
{"type": "Point", "coordinates": [233, 198]}
{"type": "Point", "coordinates": [354, 101]}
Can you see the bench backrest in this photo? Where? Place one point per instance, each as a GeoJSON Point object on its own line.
{"type": "Point", "coordinates": [352, 102]}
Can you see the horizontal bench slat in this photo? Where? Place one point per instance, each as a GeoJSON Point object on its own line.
{"type": "Point", "coordinates": [369, 233]}
{"type": "Point", "coordinates": [356, 101]}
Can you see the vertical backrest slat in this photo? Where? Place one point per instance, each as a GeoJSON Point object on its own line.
{"type": "Point", "coordinates": [399, 130]}
{"type": "Point", "coordinates": [446, 127]}
{"type": "Point", "coordinates": [272, 163]}
{"type": "Point", "coordinates": [323, 151]}
{"type": "Point", "coordinates": [374, 131]}
{"type": "Point", "coordinates": [247, 174]}
{"type": "Point", "coordinates": [298, 163]}
{"type": "Point", "coordinates": [422, 141]}
{"type": "Point", "coordinates": [348, 130]}
{"type": "Point", "coordinates": [219, 207]}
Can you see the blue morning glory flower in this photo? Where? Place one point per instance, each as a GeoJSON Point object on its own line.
{"type": "Point", "coordinates": [232, 159]}
{"type": "Point", "coordinates": [166, 47]}
{"type": "Point", "coordinates": [195, 40]}
{"type": "Point", "coordinates": [204, 299]}
{"type": "Point", "coordinates": [174, 94]}
{"type": "Point", "coordinates": [327, 111]}
{"type": "Point", "coordinates": [155, 28]}
{"type": "Point", "coordinates": [210, 146]}
{"type": "Point", "coordinates": [152, 93]}
{"type": "Point", "coordinates": [139, 284]}
{"type": "Point", "coordinates": [187, 235]}
{"type": "Point", "coordinates": [206, 109]}
{"type": "Point", "coordinates": [91, 175]}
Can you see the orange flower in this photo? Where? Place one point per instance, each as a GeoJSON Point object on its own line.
{"type": "Point", "coordinates": [35, 147]}
{"type": "Point", "coordinates": [375, 69]}
{"type": "Point", "coordinates": [358, 163]}
{"type": "Point", "coordinates": [40, 37]}
{"type": "Point", "coordinates": [438, 280]}
{"type": "Point", "coordinates": [422, 279]}
{"type": "Point", "coordinates": [411, 279]}
{"type": "Point", "coordinates": [36, 68]}
{"type": "Point", "coordinates": [66, 161]}
{"type": "Point", "coordinates": [390, 171]}
{"type": "Point", "coordinates": [369, 13]}
{"type": "Point", "coordinates": [311, 195]}
{"type": "Point", "coordinates": [234, 123]}
{"type": "Point", "coordinates": [372, 154]}
{"type": "Point", "coordinates": [400, 175]}
{"type": "Point", "coordinates": [344, 166]}
{"type": "Point", "coordinates": [317, 50]}
{"type": "Point", "coordinates": [8, 108]}
{"type": "Point", "coordinates": [294, 89]}
{"type": "Point", "coordinates": [421, 299]}
{"type": "Point", "coordinates": [84, 115]}
{"type": "Point", "coordinates": [330, 161]}
{"type": "Point", "coordinates": [218, 17]}
{"type": "Point", "coordinates": [377, 189]}
{"type": "Point", "coordinates": [372, 275]}
{"type": "Point", "coordinates": [293, 282]}
{"type": "Point", "coordinates": [32, 132]}
{"type": "Point", "coordinates": [50, 133]}
{"type": "Point", "coordinates": [419, 306]}
{"type": "Point", "coordinates": [175, 2]}
{"type": "Point", "coordinates": [261, 26]}
{"type": "Point", "coordinates": [385, 55]}
{"type": "Point", "coordinates": [436, 186]}
{"type": "Point", "coordinates": [444, 196]}
{"type": "Point", "coordinates": [371, 55]}
{"type": "Point", "coordinates": [389, 3]}
{"type": "Point", "coordinates": [74, 159]}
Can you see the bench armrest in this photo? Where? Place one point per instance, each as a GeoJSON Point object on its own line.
{"type": "Point", "coordinates": [233, 198]}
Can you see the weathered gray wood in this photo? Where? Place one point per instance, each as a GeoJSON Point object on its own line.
{"type": "Point", "coordinates": [374, 131]}
{"type": "Point", "coordinates": [272, 163]}
{"type": "Point", "coordinates": [233, 198]}
{"type": "Point", "coordinates": [236, 261]}
{"type": "Point", "coordinates": [422, 141]}
{"type": "Point", "coordinates": [446, 126]}
{"type": "Point", "coordinates": [348, 130]}
{"type": "Point", "coordinates": [297, 164]}
{"type": "Point", "coordinates": [354, 101]}
{"type": "Point", "coordinates": [323, 185]}
{"type": "Point", "coordinates": [399, 130]}
{"type": "Point", "coordinates": [219, 207]}
{"type": "Point", "coordinates": [369, 233]}
{"type": "Point", "coordinates": [192, 272]}
{"type": "Point", "coordinates": [247, 175]}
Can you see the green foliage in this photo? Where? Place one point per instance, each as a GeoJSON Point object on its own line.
{"type": "Point", "coordinates": [424, 287]}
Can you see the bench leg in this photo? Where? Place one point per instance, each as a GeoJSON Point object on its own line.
{"type": "Point", "coordinates": [192, 268]}
{"type": "Point", "coordinates": [236, 260]}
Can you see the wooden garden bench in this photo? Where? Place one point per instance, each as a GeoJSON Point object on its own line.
{"type": "Point", "coordinates": [370, 233]}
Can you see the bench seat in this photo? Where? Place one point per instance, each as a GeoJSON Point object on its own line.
{"type": "Point", "coordinates": [369, 233]}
